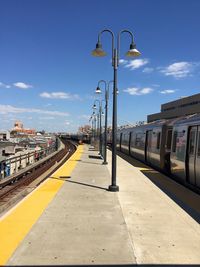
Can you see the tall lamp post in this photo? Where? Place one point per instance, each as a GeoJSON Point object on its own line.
{"type": "Point", "coordinates": [98, 91]}
{"type": "Point", "coordinates": [100, 124]}
{"type": "Point", "coordinates": [99, 52]}
{"type": "Point", "coordinates": [93, 125]}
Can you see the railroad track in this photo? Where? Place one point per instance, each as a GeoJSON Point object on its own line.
{"type": "Point", "coordinates": [19, 185]}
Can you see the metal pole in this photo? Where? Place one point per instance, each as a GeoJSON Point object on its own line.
{"type": "Point", "coordinates": [106, 122]}
{"type": "Point", "coordinates": [100, 132]}
{"type": "Point", "coordinates": [95, 126]}
{"type": "Point", "coordinates": [114, 187]}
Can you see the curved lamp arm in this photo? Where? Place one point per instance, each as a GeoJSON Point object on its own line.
{"type": "Point", "coordinates": [112, 34]}
{"type": "Point", "coordinates": [118, 42]}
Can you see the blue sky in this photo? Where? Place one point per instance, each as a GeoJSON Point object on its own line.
{"type": "Point", "coordinates": [48, 76]}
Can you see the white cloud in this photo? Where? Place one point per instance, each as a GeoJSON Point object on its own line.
{"type": "Point", "coordinates": [148, 70]}
{"type": "Point", "coordinates": [47, 105]}
{"type": "Point", "coordinates": [4, 85]}
{"type": "Point", "coordinates": [84, 117]}
{"type": "Point", "coordinates": [179, 69]}
{"type": "Point", "coordinates": [59, 95]}
{"type": "Point", "coordinates": [155, 85]}
{"type": "Point", "coordinates": [5, 109]}
{"type": "Point", "coordinates": [123, 61]}
{"type": "Point", "coordinates": [47, 118]}
{"type": "Point", "coordinates": [22, 85]}
{"type": "Point", "coordinates": [168, 91]}
{"type": "Point", "coordinates": [136, 63]}
{"type": "Point", "coordinates": [138, 91]}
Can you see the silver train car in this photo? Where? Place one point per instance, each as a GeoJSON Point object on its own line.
{"type": "Point", "coordinates": [172, 146]}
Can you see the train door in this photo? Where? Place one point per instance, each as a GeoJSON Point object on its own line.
{"type": "Point", "coordinates": [194, 156]}
{"type": "Point", "coordinates": [148, 145]}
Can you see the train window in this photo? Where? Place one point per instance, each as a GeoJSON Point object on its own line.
{"type": "Point", "coordinates": [191, 142]}
{"type": "Point", "coordinates": [174, 141]}
{"type": "Point", "coordinates": [198, 151]}
{"type": "Point", "coordinates": [158, 141]}
{"type": "Point", "coordinates": [169, 139]}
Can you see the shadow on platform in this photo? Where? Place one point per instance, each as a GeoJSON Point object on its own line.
{"type": "Point", "coordinates": [94, 157]}
{"type": "Point", "coordinates": [177, 192]}
{"type": "Point", "coordinates": [89, 162]}
{"type": "Point", "coordinates": [65, 178]}
{"type": "Point", "coordinates": [89, 185]}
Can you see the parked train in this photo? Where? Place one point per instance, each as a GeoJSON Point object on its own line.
{"type": "Point", "coordinates": [172, 146]}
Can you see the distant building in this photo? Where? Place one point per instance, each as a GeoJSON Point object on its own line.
{"type": "Point", "coordinates": [6, 148]}
{"type": "Point", "coordinates": [19, 130]}
{"type": "Point", "coordinates": [4, 135]}
{"type": "Point", "coordinates": [181, 107]}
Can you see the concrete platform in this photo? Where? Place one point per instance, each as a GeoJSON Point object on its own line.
{"type": "Point", "coordinates": [83, 223]}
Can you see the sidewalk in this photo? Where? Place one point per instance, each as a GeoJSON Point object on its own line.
{"type": "Point", "coordinates": [86, 224]}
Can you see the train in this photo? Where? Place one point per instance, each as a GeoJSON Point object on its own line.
{"type": "Point", "coordinates": [171, 146]}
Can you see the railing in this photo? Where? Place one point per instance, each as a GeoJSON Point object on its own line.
{"type": "Point", "coordinates": [14, 164]}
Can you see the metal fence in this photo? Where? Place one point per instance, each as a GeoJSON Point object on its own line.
{"type": "Point", "coordinates": [14, 164]}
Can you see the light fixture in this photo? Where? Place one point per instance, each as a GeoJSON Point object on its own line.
{"type": "Point", "coordinates": [133, 52]}
{"type": "Point", "coordinates": [98, 51]}
{"type": "Point", "coordinates": [98, 90]}
{"type": "Point", "coordinates": [94, 106]}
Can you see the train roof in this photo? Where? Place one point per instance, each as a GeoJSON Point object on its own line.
{"type": "Point", "coordinates": [190, 119]}
{"type": "Point", "coordinates": [159, 123]}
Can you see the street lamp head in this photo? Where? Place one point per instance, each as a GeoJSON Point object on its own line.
{"type": "Point", "coordinates": [98, 90]}
{"type": "Point", "coordinates": [133, 52]}
{"type": "Point", "coordinates": [98, 51]}
{"type": "Point", "coordinates": [94, 106]}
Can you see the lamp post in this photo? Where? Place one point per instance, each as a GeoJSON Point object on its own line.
{"type": "Point", "coordinates": [98, 91]}
{"type": "Point", "coordinates": [99, 122]}
{"type": "Point", "coordinates": [93, 127]}
{"type": "Point", "coordinates": [99, 52]}
{"type": "Point", "coordinates": [95, 122]}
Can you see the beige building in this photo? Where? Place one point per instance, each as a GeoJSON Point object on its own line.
{"type": "Point", "coordinates": [19, 130]}
{"type": "Point", "coordinates": [181, 107]}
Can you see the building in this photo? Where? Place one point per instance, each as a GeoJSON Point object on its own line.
{"type": "Point", "coordinates": [19, 130]}
{"type": "Point", "coordinates": [181, 107]}
{"type": "Point", "coordinates": [4, 135]}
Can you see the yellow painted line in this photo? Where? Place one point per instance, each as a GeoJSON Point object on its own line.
{"type": "Point", "coordinates": [15, 225]}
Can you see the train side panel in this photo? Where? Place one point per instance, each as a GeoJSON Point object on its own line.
{"type": "Point", "coordinates": [125, 138]}
{"type": "Point", "coordinates": [155, 146]}
{"type": "Point", "coordinates": [178, 152]}
{"type": "Point", "coordinates": [137, 143]}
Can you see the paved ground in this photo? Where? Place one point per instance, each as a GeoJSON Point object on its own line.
{"type": "Point", "coordinates": [86, 224]}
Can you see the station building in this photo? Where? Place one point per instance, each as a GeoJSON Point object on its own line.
{"type": "Point", "coordinates": [174, 109]}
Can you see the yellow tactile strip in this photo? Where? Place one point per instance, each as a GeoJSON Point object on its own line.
{"type": "Point", "coordinates": [16, 224]}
